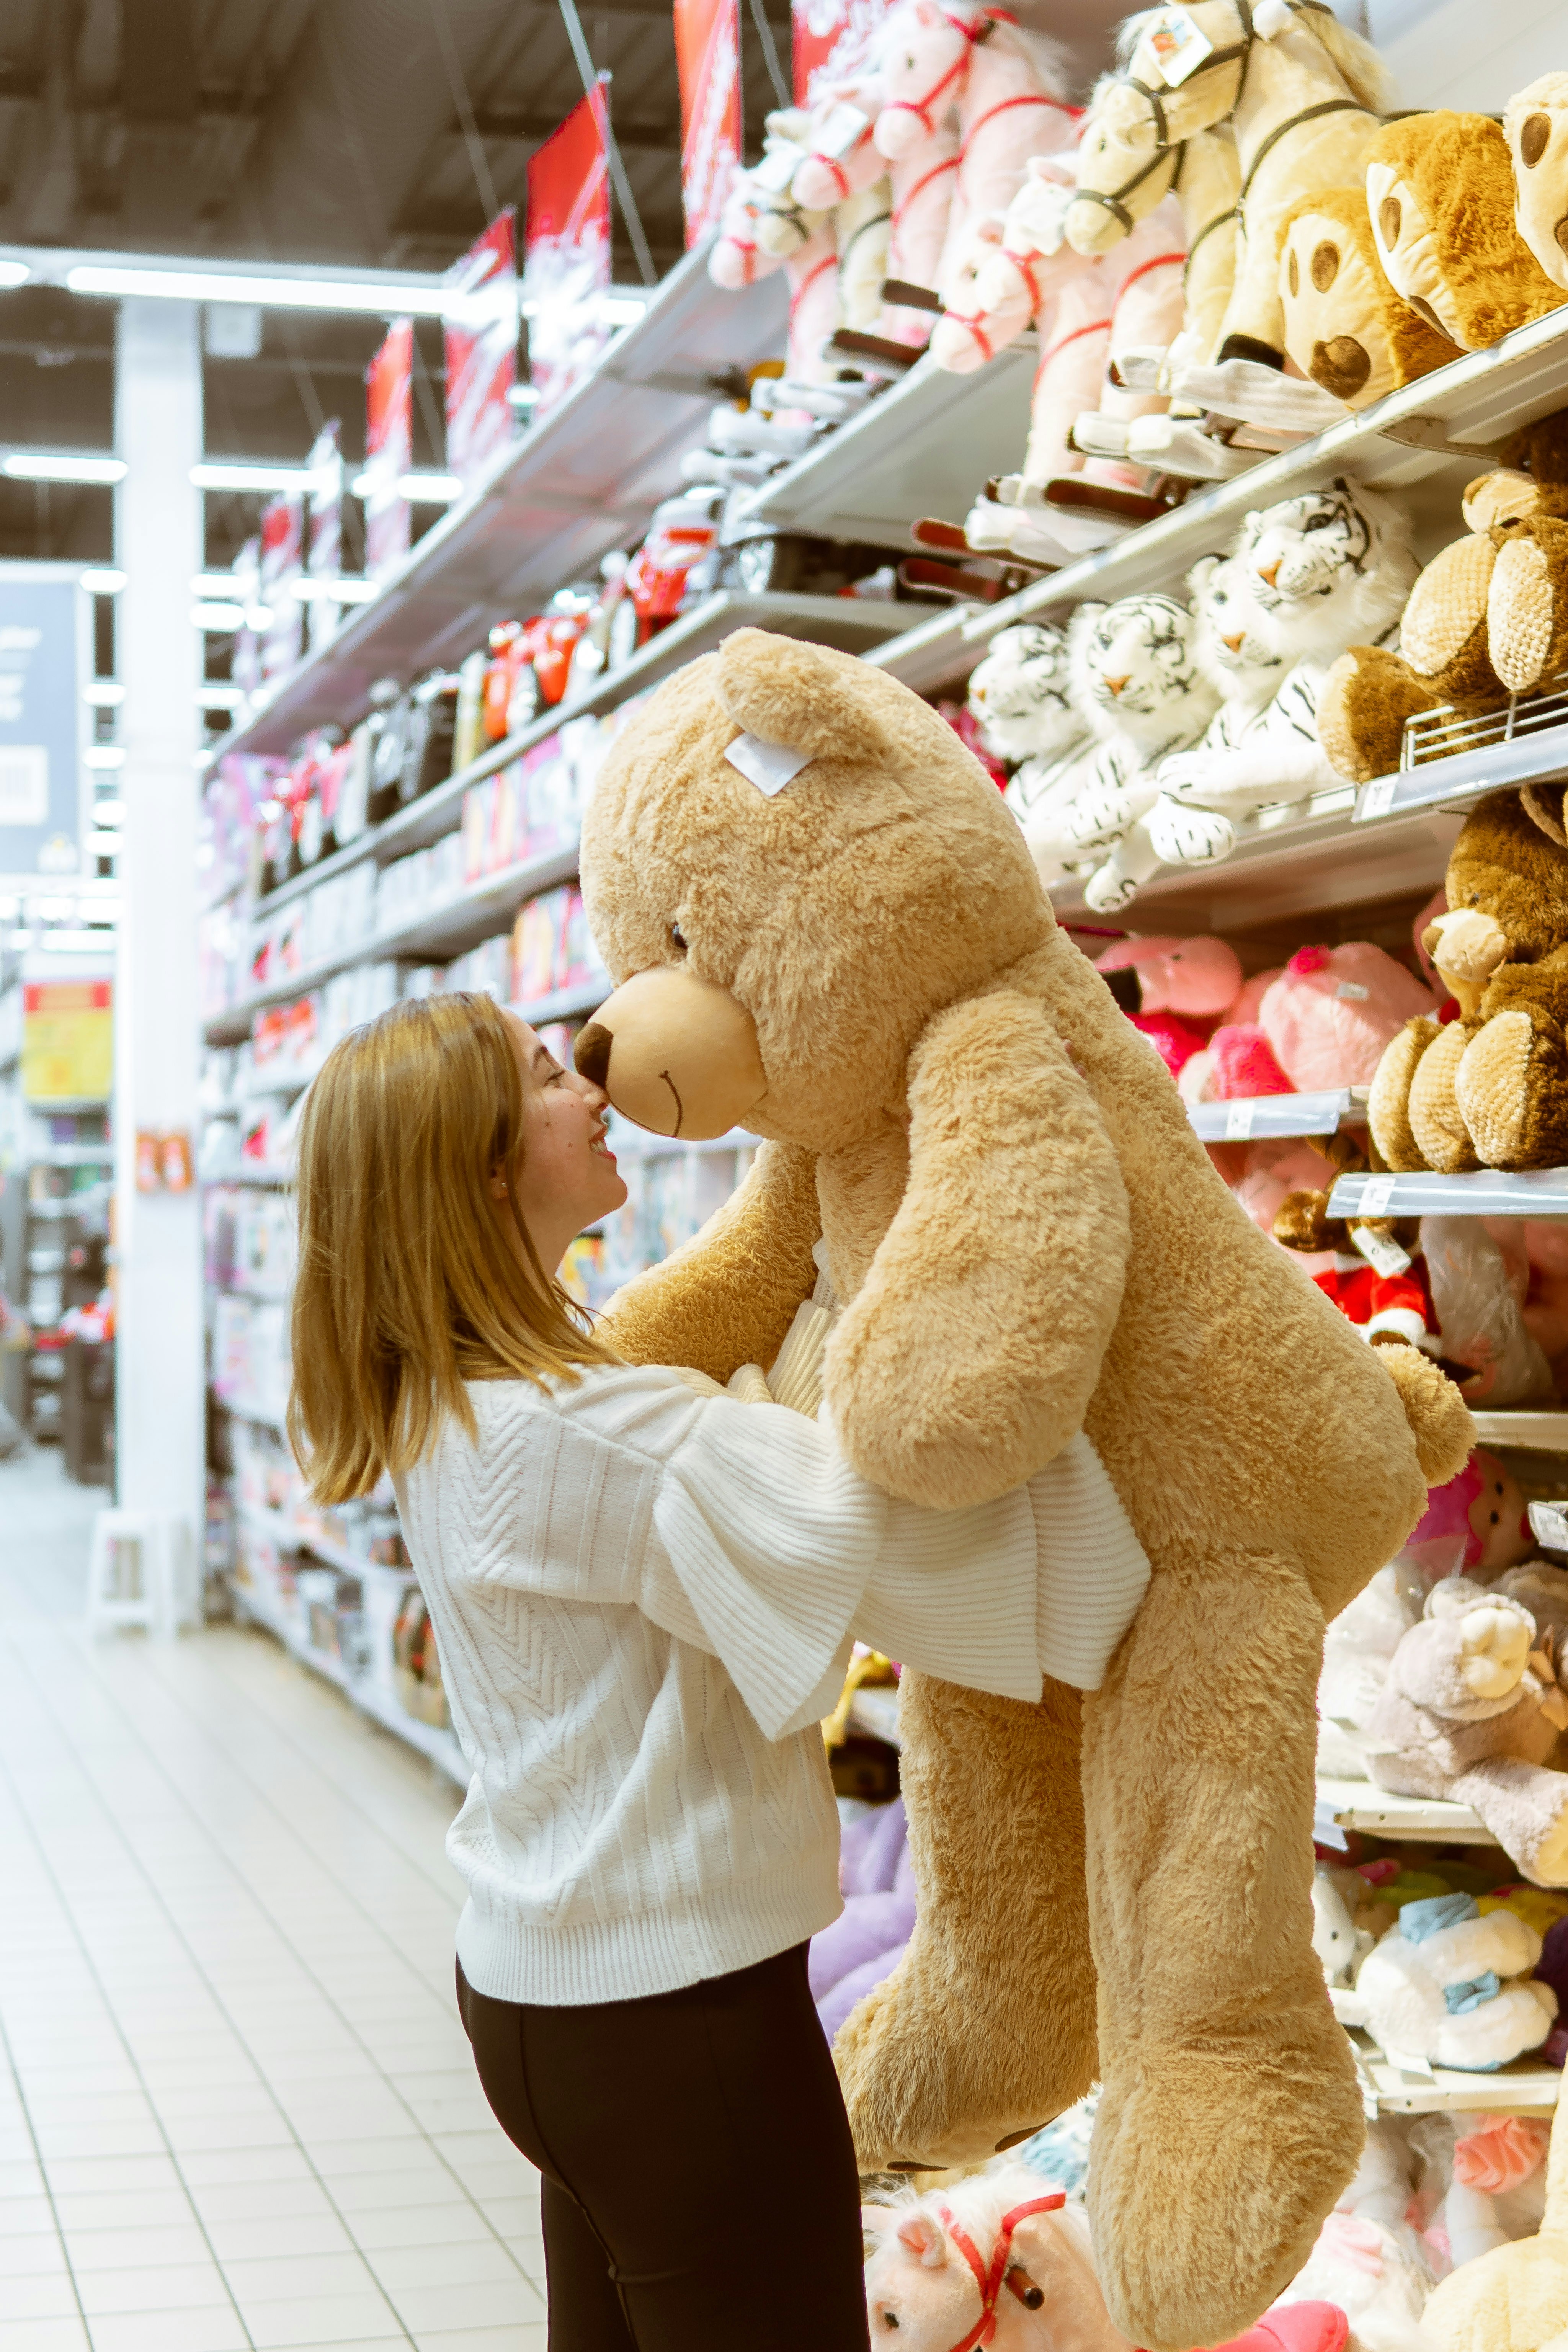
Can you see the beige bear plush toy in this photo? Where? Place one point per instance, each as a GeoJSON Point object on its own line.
{"type": "Point", "coordinates": [827, 924]}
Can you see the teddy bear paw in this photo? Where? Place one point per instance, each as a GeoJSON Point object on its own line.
{"type": "Point", "coordinates": [1508, 1088]}
{"type": "Point", "coordinates": [1494, 1647]}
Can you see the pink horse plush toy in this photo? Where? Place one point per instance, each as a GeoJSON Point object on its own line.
{"type": "Point", "coordinates": [999, 2260]}
{"type": "Point", "coordinates": [1008, 86]}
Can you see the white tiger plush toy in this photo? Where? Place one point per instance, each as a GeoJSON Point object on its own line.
{"type": "Point", "coordinates": [1019, 694]}
{"type": "Point", "coordinates": [1317, 573]}
{"type": "Point", "coordinates": [1136, 678]}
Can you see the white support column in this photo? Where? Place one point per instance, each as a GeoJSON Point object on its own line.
{"type": "Point", "coordinates": [159, 545]}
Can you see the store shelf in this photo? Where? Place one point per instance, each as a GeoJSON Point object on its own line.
{"type": "Point", "coordinates": [1459, 780]}
{"type": "Point", "coordinates": [1487, 1192]}
{"type": "Point", "coordinates": [924, 447]}
{"type": "Point", "coordinates": [1526, 2087]}
{"type": "Point", "coordinates": [1477, 400]}
{"type": "Point", "coordinates": [1547, 1433]}
{"type": "Point", "coordinates": [586, 480]}
{"type": "Point", "coordinates": [1258, 1115]}
{"type": "Point", "coordinates": [441, 933]}
{"type": "Point", "coordinates": [1425, 1821]}
{"type": "Point", "coordinates": [378, 1705]}
{"type": "Point", "coordinates": [875, 1714]}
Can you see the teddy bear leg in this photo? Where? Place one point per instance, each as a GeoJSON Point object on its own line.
{"type": "Point", "coordinates": [1512, 1088]}
{"type": "Point", "coordinates": [1388, 1105]}
{"type": "Point", "coordinates": [1525, 1806]}
{"type": "Point", "coordinates": [1366, 698]}
{"type": "Point", "coordinates": [1222, 2063]}
{"type": "Point", "coordinates": [985, 2029]}
{"type": "Point", "coordinates": [1437, 1122]}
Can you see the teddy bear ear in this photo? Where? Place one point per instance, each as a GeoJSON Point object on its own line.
{"type": "Point", "coordinates": [1543, 804]}
{"type": "Point", "coordinates": [787, 692]}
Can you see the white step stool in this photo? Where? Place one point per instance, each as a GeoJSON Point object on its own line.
{"type": "Point", "coordinates": [130, 1575]}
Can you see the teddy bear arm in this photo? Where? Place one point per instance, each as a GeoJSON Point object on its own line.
{"type": "Point", "coordinates": [968, 1358]}
{"type": "Point", "coordinates": [1367, 697]}
{"type": "Point", "coordinates": [1525, 1806]}
{"type": "Point", "coordinates": [728, 1296]}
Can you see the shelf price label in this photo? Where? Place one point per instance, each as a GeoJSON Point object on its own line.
{"type": "Point", "coordinates": [1549, 1524]}
{"type": "Point", "coordinates": [1376, 799]}
{"type": "Point", "coordinates": [1376, 1195]}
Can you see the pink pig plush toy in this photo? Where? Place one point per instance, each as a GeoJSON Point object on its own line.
{"type": "Point", "coordinates": [1332, 1010]}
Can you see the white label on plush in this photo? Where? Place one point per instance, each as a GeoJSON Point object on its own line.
{"type": "Point", "coordinates": [1381, 1251]}
{"type": "Point", "coordinates": [769, 766]}
{"type": "Point", "coordinates": [844, 127]}
{"type": "Point", "coordinates": [1180, 46]}
{"type": "Point", "coordinates": [1549, 1524]}
{"type": "Point", "coordinates": [1352, 992]}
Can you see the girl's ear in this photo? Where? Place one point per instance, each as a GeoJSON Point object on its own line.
{"type": "Point", "coordinates": [498, 1183]}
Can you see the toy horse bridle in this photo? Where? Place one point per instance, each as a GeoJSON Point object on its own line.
{"type": "Point", "coordinates": [1000, 2272]}
{"type": "Point", "coordinates": [1114, 203]}
{"type": "Point", "coordinates": [974, 29]}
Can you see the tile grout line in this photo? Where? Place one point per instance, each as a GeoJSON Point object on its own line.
{"type": "Point", "coordinates": [44, 2177]}
{"type": "Point", "coordinates": [219, 2003]}
{"type": "Point", "coordinates": [285, 1939]}
{"type": "Point", "coordinates": [47, 1864]}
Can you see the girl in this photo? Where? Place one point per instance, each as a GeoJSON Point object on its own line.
{"type": "Point", "coordinates": [644, 1593]}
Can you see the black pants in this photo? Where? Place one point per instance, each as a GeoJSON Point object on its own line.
{"type": "Point", "coordinates": [699, 2185]}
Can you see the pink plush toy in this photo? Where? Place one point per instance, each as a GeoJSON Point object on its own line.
{"type": "Point", "coordinates": [1546, 1300]}
{"type": "Point", "coordinates": [1272, 1167]}
{"type": "Point", "coordinates": [1475, 1525]}
{"type": "Point", "coordinates": [1332, 1010]}
{"type": "Point", "coordinates": [1009, 86]}
{"type": "Point", "coordinates": [994, 2262]}
{"type": "Point", "coordinates": [1199, 979]}
{"type": "Point", "coordinates": [1238, 1061]}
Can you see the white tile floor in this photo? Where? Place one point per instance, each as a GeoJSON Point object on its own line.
{"type": "Point", "coordinates": [237, 2107]}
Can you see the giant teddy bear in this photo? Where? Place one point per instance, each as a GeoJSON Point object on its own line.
{"type": "Point", "coordinates": [826, 922]}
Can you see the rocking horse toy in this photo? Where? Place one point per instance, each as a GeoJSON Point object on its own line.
{"type": "Point", "coordinates": [1303, 94]}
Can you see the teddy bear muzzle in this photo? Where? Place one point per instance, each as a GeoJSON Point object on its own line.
{"type": "Point", "coordinates": [675, 1054]}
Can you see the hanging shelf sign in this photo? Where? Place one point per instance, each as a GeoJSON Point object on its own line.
{"type": "Point", "coordinates": [388, 449]}
{"type": "Point", "coordinates": [566, 244]}
{"type": "Point", "coordinates": [708, 54]}
{"type": "Point", "coordinates": [480, 321]}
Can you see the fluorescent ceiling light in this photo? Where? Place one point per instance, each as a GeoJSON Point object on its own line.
{"type": "Point", "coordinates": [75, 942]}
{"type": "Point", "coordinates": [102, 582]}
{"type": "Point", "coordinates": [623, 310]}
{"type": "Point", "coordinates": [419, 489]}
{"type": "Point", "coordinates": [218, 617]}
{"type": "Point", "coordinates": [55, 910]}
{"type": "Point", "coordinates": [219, 697]}
{"type": "Point", "coordinates": [223, 474]}
{"type": "Point", "coordinates": [59, 465]}
{"type": "Point", "coordinates": [105, 755]}
{"type": "Point", "coordinates": [216, 584]}
{"type": "Point", "coordinates": [103, 694]}
{"type": "Point", "coordinates": [109, 814]}
{"type": "Point", "coordinates": [380, 301]}
{"type": "Point", "coordinates": [14, 273]}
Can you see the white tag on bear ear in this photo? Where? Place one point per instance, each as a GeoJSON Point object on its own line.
{"type": "Point", "coordinates": [769, 766]}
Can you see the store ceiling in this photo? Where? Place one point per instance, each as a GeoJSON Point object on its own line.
{"type": "Point", "coordinates": [375, 131]}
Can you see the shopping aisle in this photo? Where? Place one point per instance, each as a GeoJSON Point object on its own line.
{"type": "Point", "coordinates": [237, 2107]}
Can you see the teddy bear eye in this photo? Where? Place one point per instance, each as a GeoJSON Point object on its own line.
{"type": "Point", "coordinates": [677, 939]}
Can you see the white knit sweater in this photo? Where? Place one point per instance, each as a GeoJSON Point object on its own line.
{"type": "Point", "coordinates": [644, 1599]}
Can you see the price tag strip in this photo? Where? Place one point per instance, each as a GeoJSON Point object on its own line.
{"type": "Point", "coordinates": [1271, 1115]}
{"type": "Point", "coordinates": [1487, 1192]}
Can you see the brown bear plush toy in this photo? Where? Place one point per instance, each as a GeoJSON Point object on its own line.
{"type": "Point", "coordinates": [1490, 1088]}
{"type": "Point", "coordinates": [1488, 617]}
{"type": "Point", "coordinates": [828, 925]}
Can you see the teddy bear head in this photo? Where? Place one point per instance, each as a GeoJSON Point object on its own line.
{"type": "Point", "coordinates": [790, 863]}
{"type": "Point", "coordinates": [1439, 196]}
{"type": "Point", "coordinates": [1135, 674]}
{"type": "Point", "coordinates": [1020, 693]}
{"type": "Point", "coordinates": [1535, 124]}
{"type": "Point", "coordinates": [1511, 863]}
{"type": "Point", "coordinates": [1344, 324]}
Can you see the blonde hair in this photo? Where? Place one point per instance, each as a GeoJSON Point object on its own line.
{"type": "Point", "coordinates": [407, 1285]}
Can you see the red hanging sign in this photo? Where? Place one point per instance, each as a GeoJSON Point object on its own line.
{"type": "Point", "coordinates": [481, 319]}
{"type": "Point", "coordinates": [282, 561]}
{"type": "Point", "coordinates": [566, 271]}
{"type": "Point", "coordinates": [831, 40]}
{"type": "Point", "coordinates": [708, 58]}
{"type": "Point", "coordinates": [388, 449]}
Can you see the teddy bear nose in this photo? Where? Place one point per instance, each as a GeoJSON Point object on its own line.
{"type": "Point", "coordinates": [1115, 685]}
{"type": "Point", "coordinates": [591, 1054]}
